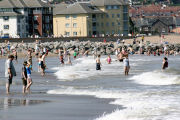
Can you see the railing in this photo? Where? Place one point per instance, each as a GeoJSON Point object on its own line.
{"type": "Point", "coordinates": [37, 12]}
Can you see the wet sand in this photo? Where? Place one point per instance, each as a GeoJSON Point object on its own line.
{"type": "Point", "coordinates": [42, 106]}
{"type": "Point", "coordinates": [54, 107]}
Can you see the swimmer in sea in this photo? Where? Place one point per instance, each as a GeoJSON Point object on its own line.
{"type": "Point", "coordinates": [165, 63]}
{"type": "Point", "coordinates": [98, 63]}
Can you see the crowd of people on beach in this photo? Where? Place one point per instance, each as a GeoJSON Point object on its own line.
{"type": "Point", "coordinates": [40, 54]}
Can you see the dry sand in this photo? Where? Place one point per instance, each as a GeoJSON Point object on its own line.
{"type": "Point", "coordinates": [172, 39]}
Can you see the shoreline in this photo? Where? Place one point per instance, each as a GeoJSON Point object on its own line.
{"type": "Point", "coordinates": [54, 107]}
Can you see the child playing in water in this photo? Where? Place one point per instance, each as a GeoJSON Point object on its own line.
{"type": "Point", "coordinates": [24, 76]}
{"type": "Point", "coordinates": [126, 65]}
{"type": "Point", "coordinates": [109, 59]}
{"type": "Point", "coordinates": [165, 63]}
{"type": "Point", "coordinates": [98, 63]}
{"type": "Point", "coordinates": [29, 79]}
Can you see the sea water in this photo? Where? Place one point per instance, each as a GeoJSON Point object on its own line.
{"type": "Point", "coordinates": [148, 93]}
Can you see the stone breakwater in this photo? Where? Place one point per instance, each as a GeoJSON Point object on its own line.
{"type": "Point", "coordinates": [91, 47]}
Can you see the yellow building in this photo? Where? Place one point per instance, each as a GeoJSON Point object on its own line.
{"type": "Point", "coordinates": [98, 18]}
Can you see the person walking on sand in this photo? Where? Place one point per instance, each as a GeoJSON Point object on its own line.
{"type": "Point", "coordinates": [24, 76]}
{"type": "Point", "coordinates": [165, 63]}
{"type": "Point", "coordinates": [126, 65]}
{"type": "Point", "coordinates": [29, 79]}
{"type": "Point", "coordinates": [98, 63]}
{"type": "Point", "coordinates": [9, 72]}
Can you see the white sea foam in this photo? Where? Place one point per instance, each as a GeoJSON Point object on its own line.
{"type": "Point", "coordinates": [137, 106]}
{"type": "Point", "coordinates": [86, 67]}
{"type": "Point", "coordinates": [150, 104]}
{"type": "Point", "coordinates": [156, 78]}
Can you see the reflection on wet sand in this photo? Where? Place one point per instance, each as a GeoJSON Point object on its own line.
{"type": "Point", "coordinates": [6, 103]}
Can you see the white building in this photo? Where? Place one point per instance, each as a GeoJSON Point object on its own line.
{"type": "Point", "coordinates": [23, 18]}
{"type": "Point", "coordinates": [12, 25]}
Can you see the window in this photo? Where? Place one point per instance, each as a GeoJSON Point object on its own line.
{"type": "Point", "coordinates": [74, 33]}
{"type": "Point", "coordinates": [6, 10]}
{"type": "Point", "coordinates": [125, 25]}
{"type": "Point", "coordinates": [74, 16]}
{"type": "Point", "coordinates": [6, 18]}
{"type": "Point", "coordinates": [125, 9]}
{"type": "Point", "coordinates": [108, 7]}
{"type": "Point", "coordinates": [97, 24]}
{"type": "Point", "coordinates": [67, 25]}
{"type": "Point", "coordinates": [118, 15]}
{"type": "Point", "coordinates": [112, 15]}
{"type": "Point", "coordinates": [107, 24]}
{"type": "Point", "coordinates": [112, 23]}
{"type": "Point", "coordinates": [67, 16]}
{"type": "Point", "coordinates": [74, 25]}
{"type": "Point", "coordinates": [107, 16]}
{"type": "Point", "coordinates": [67, 33]}
{"type": "Point", "coordinates": [19, 28]}
{"type": "Point", "coordinates": [6, 26]}
{"type": "Point", "coordinates": [47, 20]}
{"type": "Point", "coordinates": [6, 35]}
{"type": "Point", "coordinates": [116, 7]}
{"type": "Point", "coordinates": [125, 16]}
{"type": "Point", "coordinates": [18, 19]}
{"type": "Point", "coordinates": [102, 16]}
{"type": "Point", "coordinates": [119, 23]}
{"type": "Point", "coordinates": [102, 24]}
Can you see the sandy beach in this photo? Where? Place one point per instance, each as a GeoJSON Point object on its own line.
{"type": "Point", "coordinates": [171, 39]}
{"type": "Point", "coordinates": [42, 106]}
{"type": "Point", "coordinates": [79, 92]}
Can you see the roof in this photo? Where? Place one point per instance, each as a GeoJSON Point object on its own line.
{"type": "Point", "coordinates": [76, 8]}
{"type": "Point", "coordinates": [154, 10]}
{"type": "Point", "coordinates": [167, 20]}
{"type": "Point", "coordinates": [22, 3]}
{"type": "Point", "coordinates": [151, 21]}
{"type": "Point", "coordinates": [108, 2]}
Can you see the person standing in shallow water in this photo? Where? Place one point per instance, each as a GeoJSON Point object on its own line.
{"type": "Point", "coordinates": [98, 63]}
{"type": "Point", "coordinates": [29, 79]}
{"type": "Point", "coordinates": [9, 72]}
{"type": "Point", "coordinates": [24, 76]}
{"type": "Point", "coordinates": [165, 63]}
{"type": "Point", "coordinates": [126, 65]}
